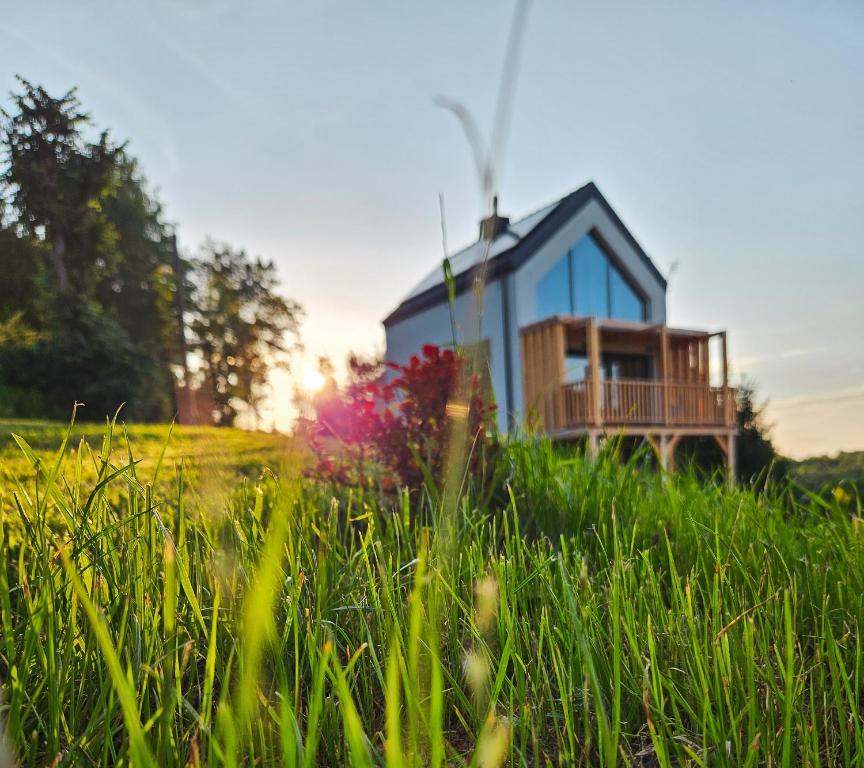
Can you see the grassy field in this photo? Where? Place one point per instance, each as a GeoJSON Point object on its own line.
{"type": "Point", "coordinates": [235, 451]}
{"type": "Point", "coordinates": [213, 461]}
{"type": "Point", "coordinates": [574, 612]}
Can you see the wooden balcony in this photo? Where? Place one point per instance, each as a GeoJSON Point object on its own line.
{"type": "Point", "coordinates": [643, 378]}
{"type": "Point", "coordinates": [647, 403]}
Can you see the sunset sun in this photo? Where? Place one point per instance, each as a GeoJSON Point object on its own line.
{"type": "Point", "coordinates": [311, 379]}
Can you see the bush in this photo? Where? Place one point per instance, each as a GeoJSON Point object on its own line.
{"type": "Point", "coordinates": [89, 359]}
{"type": "Point", "coordinates": [391, 424]}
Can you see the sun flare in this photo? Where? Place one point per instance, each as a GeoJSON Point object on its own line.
{"type": "Point", "coordinates": [312, 379]}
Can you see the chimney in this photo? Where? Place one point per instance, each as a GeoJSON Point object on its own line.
{"type": "Point", "coordinates": [493, 225]}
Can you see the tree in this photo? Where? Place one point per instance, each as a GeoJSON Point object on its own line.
{"type": "Point", "coordinates": [24, 290]}
{"type": "Point", "coordinates": [96, 287]}
{"type": "Point", "coordinates": [756, 452]}
{"type": "Point", "coordinates": [89, 262]}
{"type": "Point", "coordinates": [139, 293]}
{"type": "Point", "coordinates": [240, 327]}
{"type": "Point", "coordinates": [57, 182]}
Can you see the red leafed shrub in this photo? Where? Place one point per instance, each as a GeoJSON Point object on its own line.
{"type": "Point", "coordinates": [385, 429]}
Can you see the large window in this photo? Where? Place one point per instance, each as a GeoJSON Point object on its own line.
{"type": "Point", "coordinates": [624, 302]}
{"type": "Point", "coordinates": [553, 290]}
{"type": "Point", "coordinates": [585, 282]}
{"type": "Point", "coordinates": [590, 279]}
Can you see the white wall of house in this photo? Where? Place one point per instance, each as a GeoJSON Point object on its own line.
{"type": "Point", "coordinates": [432, 326]}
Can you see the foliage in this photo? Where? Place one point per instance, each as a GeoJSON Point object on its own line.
{"type": "Point", "coordinates": [845, 470]}
{"type": "Point", "coordinates": [391, 422]}
{"type": "Point", "coordinates": [24, 291]}
{"type": "Point", "coordinates": [99, 364]}
{"type": "Point", "coordinates": [57, 183]}
{"type": "Point", "coordinates": [95, 286]}
{"type": "Point", "coordinates": [86, 250]}
{"type": "Point", "coordinates": [240, 327]}
{"type": "Point", "coordinates": [139, 294]}
{"type": "Point", "coordinates": [15, 332]}
{"type": "Point", "coordinates": [756, 452]}
{"type": "Point", "coordinates": [671, 623]}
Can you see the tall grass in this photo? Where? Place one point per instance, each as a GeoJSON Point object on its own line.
{"type": "Point", "coordinates": [589, 613]}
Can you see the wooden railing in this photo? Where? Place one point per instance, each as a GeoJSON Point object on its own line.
{"type": "Point", "coordinates": [649, 402]}
{"type": "Point", "coordinates": [577, 404]}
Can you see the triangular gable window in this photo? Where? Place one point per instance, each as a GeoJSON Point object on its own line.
{"type": "Point", "coordinates": [585, 281]}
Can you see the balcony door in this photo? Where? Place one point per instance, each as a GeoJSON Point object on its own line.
{"type": "Point", "coordinates": [617, 365]}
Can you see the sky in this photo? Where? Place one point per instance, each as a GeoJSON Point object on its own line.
{"type": "Point", "coordinates": [729, 137]}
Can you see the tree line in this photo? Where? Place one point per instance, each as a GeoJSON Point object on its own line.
{"type": "Point", "coordinates": [97, 305]}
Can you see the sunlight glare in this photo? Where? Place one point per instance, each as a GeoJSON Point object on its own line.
{"type": "Point", "coordinates": [312, 379]}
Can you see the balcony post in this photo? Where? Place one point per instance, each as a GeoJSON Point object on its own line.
{"type": "Point", "coordinates": [664, 452]}
{"type": "Point", "coordinates": [731, 458]}
{"type": "Point", "coordinates": [559, 352]}
{"type": "Point", "coordinates": [664, 371]}
{"type": "Point", "coordinates": [592, 342]}
{"type": "Point", "coordinates": [728, 406]}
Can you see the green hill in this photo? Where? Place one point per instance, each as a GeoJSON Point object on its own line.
{"type": "Point", "coordinates": [846, 468]}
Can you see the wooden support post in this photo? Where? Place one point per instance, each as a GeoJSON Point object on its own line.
{"type": "Point", "coordinates": [731, 459]}
{"type": "Point", "coordinates": [668, 444]}
{"type": "Point", "coordinates": [592, 338]}
{"type": "Point", "coordinates": [664, 371]}
{"type": "Point", "coordinates": [593, 443]}
{"type": "Point", "coordinates": [671, 447]}
{"type": "Point", "coordinates": [729, 447]}
{"type": "Point", "coordinates": [664, 445]}
{"type": "Point", "coordinates": [664, 452]}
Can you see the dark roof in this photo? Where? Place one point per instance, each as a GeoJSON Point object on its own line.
{"type": "Point", "coordinates": [512, 248]}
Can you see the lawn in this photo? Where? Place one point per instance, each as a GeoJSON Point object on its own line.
{"type": "Point", "coordinates": [566, 612]}
{"type": "Point", "coordinates": [213, 460]}
{"type": "Point", "coordinates": [233, 450]}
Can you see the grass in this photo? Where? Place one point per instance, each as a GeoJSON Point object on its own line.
{"type": "Point", "coordinates": [579, 613]}
{"type": "Point", "coordinates": [235, 450]}
{"type": "Point", "coordinates": [213, 461]}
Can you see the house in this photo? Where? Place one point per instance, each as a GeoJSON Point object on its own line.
{"type": "Point", "coordinates": [574, 324]}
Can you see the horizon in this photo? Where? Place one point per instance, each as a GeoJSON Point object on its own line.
{"type": "Point", "coordinates": [727, 142]}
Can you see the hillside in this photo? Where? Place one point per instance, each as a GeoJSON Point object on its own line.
{"type": "Point", "coordinates": [820, 471]}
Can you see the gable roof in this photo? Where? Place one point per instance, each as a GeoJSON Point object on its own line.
{"type": "Point", "coordinates": [510, 249]}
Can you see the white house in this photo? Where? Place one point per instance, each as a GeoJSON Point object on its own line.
{"type": "Point", "coordinates": [574, 320]}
